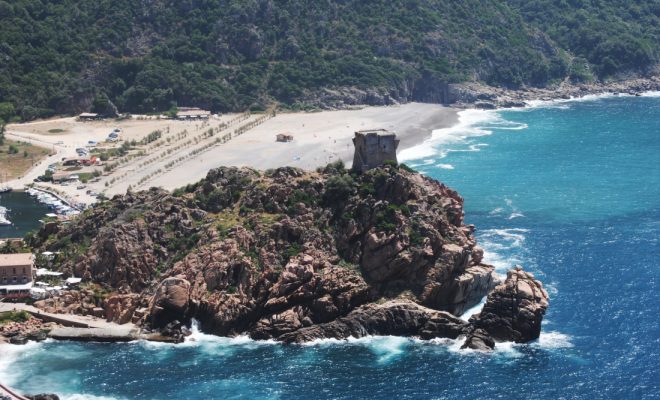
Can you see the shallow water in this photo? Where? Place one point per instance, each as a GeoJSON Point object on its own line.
{"type": "Point", "coordinates": [569, 190]}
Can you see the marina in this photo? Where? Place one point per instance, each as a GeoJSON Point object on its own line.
{"type": "Point", "coordinates": [20, 213]}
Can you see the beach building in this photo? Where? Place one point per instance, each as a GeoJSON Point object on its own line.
{"type": "Point", "coordinates": [284, 137]}
{"type": "Point", "coordinates": [16, 275]}
{"type": "Point", "coordinates": [191, 113]}
{"type": "Point", "coordinates": [89, 117]}
{"type": "Point", "coordinates": [373, 148]}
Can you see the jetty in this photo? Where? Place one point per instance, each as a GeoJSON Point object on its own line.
{"type": "Point", "coordinates": [77, 327]}
{"type": "Point", "coordinates": [87, 328]}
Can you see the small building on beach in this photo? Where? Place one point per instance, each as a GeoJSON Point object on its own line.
{"type": "Point", "coordinates": [191, 113]}
{"type": "Point", "coordinates": [89, 117]}
{"type": "Point", "coordinates": [284, 137]}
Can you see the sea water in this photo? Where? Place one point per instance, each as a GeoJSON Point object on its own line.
{"type": "Point", "coordinates": [24, 213]}
{"type": "Point", "coordinates": [569, 190]}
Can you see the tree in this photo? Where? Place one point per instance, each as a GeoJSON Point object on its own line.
{"type": "Point", "coordinates": [2, 132]}
{"type": "Point", "coordinates": [7, 111]}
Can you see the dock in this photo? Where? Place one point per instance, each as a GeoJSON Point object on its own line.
{"type": "Point", "coordinates": [87, 328]}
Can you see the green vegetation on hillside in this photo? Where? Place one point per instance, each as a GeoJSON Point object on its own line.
{"type": "Point", "coordinates": [144, 56]}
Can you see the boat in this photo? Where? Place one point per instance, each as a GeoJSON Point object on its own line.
{"type": "Point", "coordinates": [3, 217]}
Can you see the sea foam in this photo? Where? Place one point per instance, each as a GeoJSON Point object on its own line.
{"type": "Point", "coordinates": [469, 125]}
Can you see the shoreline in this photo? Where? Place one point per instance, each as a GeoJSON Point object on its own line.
{"type": "Point", "coordinates": [476, 95]}
{"type": "Point", "coordinates": [469, 117]}
{"type": "Point", "coordinates": [320, 137]}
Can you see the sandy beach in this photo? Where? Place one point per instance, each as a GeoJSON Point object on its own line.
{"type": "Point", "coordinates": [319, 138]}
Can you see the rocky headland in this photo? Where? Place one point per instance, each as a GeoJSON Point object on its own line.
{"type": "Point", "coordinates": [292, 256]}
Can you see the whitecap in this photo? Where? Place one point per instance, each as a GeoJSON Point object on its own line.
{"type": "Point", "coordinates": [553, 340]}
{"type": "Point", "coordinates": [507, 350]}
{"type": "Point", "coordinates": [469, 125]}
{"type": "Point", "coordinates": [515, 215]}
{"type": "Point", "coordinates": [212, 344]}
{"type": "Point", "coordinates": [496, 211]}
{"type": "Point", "coordinates": [386, 348]}
{"type": "Point", "coordinates": [511, 237]}
{"type": "Point", "coordinates": [9, 354]}
{"type": "Point", "coordinates": [80, 396]}
{"type": "Point", "coordinates": [497, 242]}
{"type": "Point", "coordinates": [651, 94]}
{"type": "Point", "coordinates": [445, 166]}
{"type": "Point", "coordinates": [473, 310]}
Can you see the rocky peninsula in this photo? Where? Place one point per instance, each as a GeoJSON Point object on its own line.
{"type": "Point", "coordinates": [292, 256]}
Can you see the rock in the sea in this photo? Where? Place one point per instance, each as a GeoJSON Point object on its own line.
{"type": "Point", "coordinates": [399, 318]}
{"type": "Point", "coordinates": [18, 339]}
{"type": "Point", "coordinates": [479, 339]}
{"type": "Point", "coordinates": [43, 396]}
{"type": "Point", "coordinates": [513, 312]}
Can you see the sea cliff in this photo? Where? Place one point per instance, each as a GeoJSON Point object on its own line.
{"type": "Point", "coordinates": [293, 256]}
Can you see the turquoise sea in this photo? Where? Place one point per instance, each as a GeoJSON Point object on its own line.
{"type": "Point", "coordinates": [570, 190]}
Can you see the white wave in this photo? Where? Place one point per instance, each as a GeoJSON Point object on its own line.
{"type": "Point", "coordinates": [498, 241]}
{"type": "Point", "coordinates": [507, 350]}
{"type": "Point", "coordinates": [515, 215]}
{"type": "Point", "coordinates": [651, 94]}
{"type": "Point", "coordinates": [211, 343]}
{"type": "Point", "coordinates": [9, 354]}
{"type": "Point", "coordinates": [445, 166]}
{"type": "Point", "coordinates": [553, 340]}
{"type": "Point", "coordinates": [511, 237]}
{"type": "Point", "coordinates": [555, 103]}
{"type": "Point", "coordinates": [385, 348]}
{"type": "Point", "coordinates": [80, 396]}
{"type": "Point", "coordinates": [469, 122]}
{"type": "Point", "coordinates": [474, 310]}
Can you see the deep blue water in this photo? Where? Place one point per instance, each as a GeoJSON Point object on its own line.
{"type": "Point", "coordinates": [570, 190]}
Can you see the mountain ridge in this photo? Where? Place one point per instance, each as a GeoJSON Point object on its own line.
{"type": "Point", "coordinates": [147, 56]}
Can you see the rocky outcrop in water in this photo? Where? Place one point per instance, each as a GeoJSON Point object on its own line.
{"type": "Point", "coordinates": [43, 396]}
{"type": "Point", "coordinates": [287, 255]}
{"type": "Point", "coordinates": [397, 318]}
{"type": "Point", "coordinates": [513, 312]}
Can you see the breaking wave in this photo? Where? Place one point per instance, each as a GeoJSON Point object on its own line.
{"type": "Point", "coordinates": [471, 123]}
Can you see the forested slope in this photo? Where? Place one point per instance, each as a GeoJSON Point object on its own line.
{"type": "Point", "coordinates": [148, 55]}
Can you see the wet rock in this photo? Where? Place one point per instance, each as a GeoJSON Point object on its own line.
{"type": "Point", "coordinates": [18, 339]}
{"type": "Point", "coordinates": [399, 318]}
{"type": "Point", "coordinates": [479, 340]}
{"type": "Point", "coordinates": [43, 396]}
{"type": "Point", "coordinates": [170, 302]}
{"type": "Point", "coordinates": [513, 311]}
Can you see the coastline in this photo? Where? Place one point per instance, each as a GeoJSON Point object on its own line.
{"type": "Point", "coordinates": [488, 97]}
{"type": "Point", "coordinates": [320, 137]}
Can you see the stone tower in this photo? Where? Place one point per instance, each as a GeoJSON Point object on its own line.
{"type": "Point", "coordinates": [373, 148]}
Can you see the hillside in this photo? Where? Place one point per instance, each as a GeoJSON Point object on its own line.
{"type": "Point", "coordinates": [71, 55]}
{"type": "Point", "coordinates": [293, 256]}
